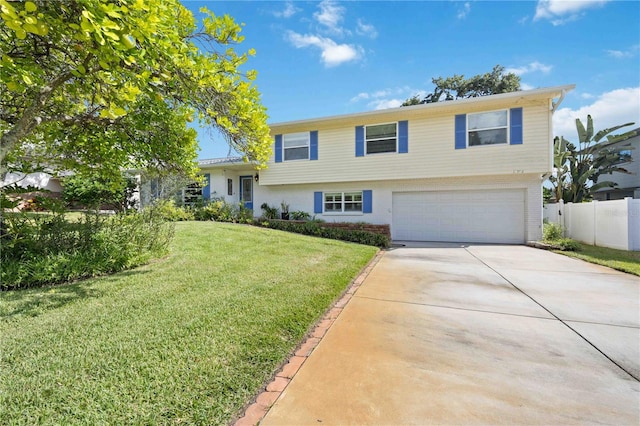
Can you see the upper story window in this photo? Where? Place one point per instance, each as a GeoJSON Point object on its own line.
{"type": "Point", "coordinates": [381, 138]}
{"type": "Point", "coordinates": [296, 146]}
{"type": "Point", "coordinates": [488, 128]}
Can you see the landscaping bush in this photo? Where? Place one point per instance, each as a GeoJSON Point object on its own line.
{"type": "Point", "coordinates": [167, 210]}
{"type": "Point", "coordinates": [312, 228]}
{"type": "Point", "coordinates": [93, 192]}
{"type": "Point", "coordinates": [552, 235]}
{"type": "Point", "coordinates": [39, 249]}
{"type": "Point", "coordinates": [300, 215]}
{"type": "Point", "coordinates": [269, 212]}
{"type": "Point", "coordinates": [552, 232]}
{"type": "Point", "coordinates": [221, 211]}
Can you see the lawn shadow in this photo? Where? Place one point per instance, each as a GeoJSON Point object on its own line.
{"type": "Point", "coordinates": [32, 302]}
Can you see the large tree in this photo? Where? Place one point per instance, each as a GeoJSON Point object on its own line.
{"type": "Point", "coordinates": [457, 87]}
{"type": "Point", "coordinates": [578, 168]}
{"type": "Point", "coordinates": [102, 85]}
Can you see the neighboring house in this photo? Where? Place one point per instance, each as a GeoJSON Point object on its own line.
{"type": "Point", "coordinates": [468, 170]}
{"type": "Point", "coordinates": [39, 180]}
{"type": "Point", "coordinates": [628, 184]}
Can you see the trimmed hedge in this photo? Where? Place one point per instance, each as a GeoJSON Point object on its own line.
{"type": "Point", "coordinates": [312, 228]}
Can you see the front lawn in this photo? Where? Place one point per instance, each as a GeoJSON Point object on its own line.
{"type": "Point", "coordinates": [187, 339]}
{"type": "Point", "coordinates": [626, 261]}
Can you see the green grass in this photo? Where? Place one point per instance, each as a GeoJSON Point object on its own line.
{"type": "Point", "coordinates": [188, 339]}
{"type": "Point", "coordinates": [626, 261]}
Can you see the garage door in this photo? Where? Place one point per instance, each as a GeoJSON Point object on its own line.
{"type": "Point", "coordinates": [459, 216]}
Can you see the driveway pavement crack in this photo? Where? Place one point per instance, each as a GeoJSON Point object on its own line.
{"type": "Point", "coordinates": [554, 316]}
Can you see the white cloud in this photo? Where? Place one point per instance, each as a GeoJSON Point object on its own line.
{"type": "Point", "coordinates": [333, 54]}
{"type": "Point", "coordinates": [330, 16]}
{"type": "Point", "coordinates": [366, 29]}
{"type": "Point", "coordinates": [563, 11]}
{"type": "Point", "coordinates": [385, 103]}
{"type": "Point", "coordinates": [586, 95]}
{"type": "Point", "coordinates": [387, 98]}
{"type": "Point", "coordinates": [621, 54]}
{"type": "Point", "coordinates": [532, 67]}
{"type": "Point", "coordinates": [464, 10]}
{"type": "Point", "coordinates": [609, 109]}
{"type": "Point", "coordinates": [525, 86]}
{"type": "Point", "coordinates": [289, 10]}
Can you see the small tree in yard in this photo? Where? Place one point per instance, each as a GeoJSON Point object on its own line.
{"type": "Point", "coordinates": [96, 86]}
{"type": "Point", "coordinates": [578, 168]}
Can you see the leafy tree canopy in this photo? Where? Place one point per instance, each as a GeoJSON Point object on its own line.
{"type": "Point", "coordinates": [457, 87]}
{"type": "Point", "coordinates": [96, 85]}
{"type": "Point", "coordinates": [578, 167]}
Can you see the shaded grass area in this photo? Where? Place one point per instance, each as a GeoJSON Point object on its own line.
{"type": "Point", "coordinates": [189, 339]}
{"type": "Point", "coordinates": [626, 261]}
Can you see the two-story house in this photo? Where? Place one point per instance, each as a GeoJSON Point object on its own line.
{"type": "Point", "coordinates": [468, 170]}
{"type": "Point", "coordinates": [628, 183]}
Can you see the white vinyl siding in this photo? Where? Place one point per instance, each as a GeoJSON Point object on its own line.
{"type": "Point", "coordinates": [432, 155]}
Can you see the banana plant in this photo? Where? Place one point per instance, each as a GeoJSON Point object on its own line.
{"type": "Point", "coordinates": [578, 168]}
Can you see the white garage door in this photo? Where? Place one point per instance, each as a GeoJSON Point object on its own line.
{"type": "Point", "coordinates": [459, 216]}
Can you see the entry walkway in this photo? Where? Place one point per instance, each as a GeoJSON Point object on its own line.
{"type": "Point", "coordinates": [479, 334]}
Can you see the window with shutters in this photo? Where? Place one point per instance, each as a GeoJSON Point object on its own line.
{"type": "Point", "coordinates": [381, 138]}
{"type": "Point", "coordinates": [488, 128]}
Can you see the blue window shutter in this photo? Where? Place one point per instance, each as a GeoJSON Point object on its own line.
{"type": "Point", "coordinates": [317, 202]}
{"type": "Point", "coordinates": [359, 141]}
{"type": "Point", "coordinates": [278, 148]}
{"type": "Point", "coordinates": [367, 201]}
{"type": "Point", "coordinates": [313, 148]}
{"type": "Point", "coordinates": [461, 131]}
{"type": "Point", "coordinates": [403, 137]}
{"type": "Point", "coordinates": [516, 127]}
{"type": "Point", "coordinates": [206, 191]}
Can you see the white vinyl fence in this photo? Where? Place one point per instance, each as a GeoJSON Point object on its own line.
{"type": "Point", "coordinates": [614, 223]}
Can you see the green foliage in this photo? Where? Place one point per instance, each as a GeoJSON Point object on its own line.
{"type": "Point", "coordinates": [94, 191]}
{"type": "Point", "coordinates": [189, 340]}
{"type": "Point", "coordinates": [552, 234]}
{"type": "Point", "coordinates": [269, 212]}
{"type": "Point", "coordinates": [300, 215]}
{"type": "Point", "coordinates": [168, 211]}
{"type": "Point", "coordinates": [39, 249]}
{"type": "Point", "coordinates": [100, 86]}
{"type": "Point", "coordinates": [578, 168]}
{"type": "Point", "coordinates": [552, 231]}
{"type": "Point", "coordinates": [216, 210]}
{"type": "Point", "coordinates": [313, 228]}
{"type": "Point", "coordinates": [457, 87]}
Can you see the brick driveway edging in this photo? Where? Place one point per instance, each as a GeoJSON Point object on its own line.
{"type": "Point", "coordinates": [256, 411]}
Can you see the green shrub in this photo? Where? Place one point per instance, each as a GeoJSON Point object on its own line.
{"type": "Point", "coordinates": [269, 212]}
{"type": "Point", "coordinates": [312, 228]}
{"type": "Point", "coordinates": [552, 235]}
{"type": "Point", "coordinates": [221, 211]}
{"type": "Point", "coordinates": [49, 249]}
{"type": "Point", "coordinates": [565, 244]}
{"type": "Point", "coordinates": [168, 211]}
{"type": "Point", "coordinates": [300, 215]}
{"type": "Point", "coordinates": [552, 232]}
{"type": "Point", "coordinates": [93, 192]}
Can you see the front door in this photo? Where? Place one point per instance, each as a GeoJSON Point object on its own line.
{"type": "Point", "coordinates": [246, 191]}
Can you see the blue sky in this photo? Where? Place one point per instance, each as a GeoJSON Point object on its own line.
{"type": "Point", "coordinates": [325, 58]}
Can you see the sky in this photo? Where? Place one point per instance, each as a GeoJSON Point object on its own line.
{"type": "Point", "coordinates": [324, 58]}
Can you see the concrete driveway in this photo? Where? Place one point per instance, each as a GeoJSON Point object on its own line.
{"type": "Point", "coordinates": [477, 334]}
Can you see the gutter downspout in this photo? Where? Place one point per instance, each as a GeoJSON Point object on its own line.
{"type": "Point", "coordinates": [555, 105]}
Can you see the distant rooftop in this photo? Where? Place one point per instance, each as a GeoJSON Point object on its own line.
{"type": "Point", "coordinates": [223, 160]}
